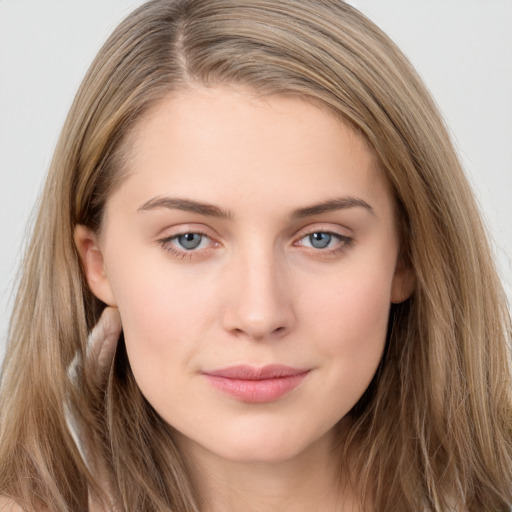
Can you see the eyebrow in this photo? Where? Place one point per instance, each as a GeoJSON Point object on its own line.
{"type": "Point", "coordinates": [340, 203]}
{"type": "Point", "coordinates": [210, 210]}
{"type": "Point", "coordinates": [186, 205]}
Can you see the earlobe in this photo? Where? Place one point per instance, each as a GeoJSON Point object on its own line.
{"type": "Point", "coordinates": [404, 283]}
{"type": "Point", "coordinates": [86, 241]}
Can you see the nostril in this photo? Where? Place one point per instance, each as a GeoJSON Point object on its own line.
{"type": "Point", "coordinates": [258, 307]}
{"type": "Point", "coordinates": [259, 333]}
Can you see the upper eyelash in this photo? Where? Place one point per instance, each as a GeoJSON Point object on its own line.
{"type": "Point", "coordinates": [164, 242]}
{"type": "Point", "coordinates": [343, 238]}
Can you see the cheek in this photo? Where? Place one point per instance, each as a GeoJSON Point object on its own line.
{"type": "Point", "coordinates": [350, 325]}
{"type": "Point", "coordinates": [350, 319]}
{"type": "Point", "coordinates": [161, 311]}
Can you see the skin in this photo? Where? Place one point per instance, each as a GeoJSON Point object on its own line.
{"type": "Point", "coordinates": [256, 290]}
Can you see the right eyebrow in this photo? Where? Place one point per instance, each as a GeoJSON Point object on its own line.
{"type": "Point", "coordinates": [187, 205]}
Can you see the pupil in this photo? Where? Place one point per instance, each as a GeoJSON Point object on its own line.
{"type": "Point", "coordinates": [189, 240]}
{"type": "Point", "coordinates": [320, 240]}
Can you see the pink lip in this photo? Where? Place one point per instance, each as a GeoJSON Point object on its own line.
{"type": "Point", "coordinates": [256, 385]}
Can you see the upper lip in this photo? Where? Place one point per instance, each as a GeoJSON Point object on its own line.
{"type": "Point", "coordinates": [246, 372]}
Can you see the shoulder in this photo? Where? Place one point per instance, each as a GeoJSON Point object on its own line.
{"type": "Point", "coordinates": [9, 505]}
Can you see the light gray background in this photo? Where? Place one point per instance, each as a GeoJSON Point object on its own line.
{"type": "Point", "coordinates": [462, 49]}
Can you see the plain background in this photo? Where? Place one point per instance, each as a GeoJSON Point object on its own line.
{"type": "Point", "coordinates": [461, 48]}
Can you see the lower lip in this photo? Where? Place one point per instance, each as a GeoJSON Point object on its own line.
{"type": "Point", "coordinates": [256, 391]}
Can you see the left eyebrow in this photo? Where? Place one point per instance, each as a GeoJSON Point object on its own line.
{"type": "Point", "coordinates": [340, 203]}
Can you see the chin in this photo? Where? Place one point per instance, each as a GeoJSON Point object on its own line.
{"type": "Point", "coordinates": [265, 448]}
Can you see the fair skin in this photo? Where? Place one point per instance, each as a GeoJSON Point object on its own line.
{"type": "Point", "coordinates": [293, 261]}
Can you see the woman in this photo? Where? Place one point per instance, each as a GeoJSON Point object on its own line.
{"type": "Point", "coordinates": [266, 194]}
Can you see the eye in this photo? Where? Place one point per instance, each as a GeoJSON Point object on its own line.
{"type": "Point", "coordinates": [187, 244]}
{"type": "Point", "coordinates": [327, 242]}
{"type": "Point", "coordinates": [319, 240]}
{"type": "Point", "coordinates": [189, 241]}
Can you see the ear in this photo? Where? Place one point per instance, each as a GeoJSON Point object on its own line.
{"type": "Point", "coordinates": [86, 241]}
{"type": "Point", "coordinates": [404, 282]}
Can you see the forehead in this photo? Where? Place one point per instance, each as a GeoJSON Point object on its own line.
{"type": "Point", "coordinates": [228, 145]}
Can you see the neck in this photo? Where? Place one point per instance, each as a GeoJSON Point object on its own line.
{"type": "Point", "coordinates": [311, 480]}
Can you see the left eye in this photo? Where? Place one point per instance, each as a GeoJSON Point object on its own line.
{"type": "Point", "coordinates": [320, 240]}
{"type": "Point", "coordinates": [189, 241]}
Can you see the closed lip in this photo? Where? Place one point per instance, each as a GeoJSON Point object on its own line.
{"type": "Point", "coordinates": [247, 372]}
{"type": "Point", "coordinates": [256, 385]}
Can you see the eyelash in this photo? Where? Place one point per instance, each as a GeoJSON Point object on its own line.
{"type": "Point", "coordinates": [344, 243]}
{"type": "Point", "coordinates": [180, 254]}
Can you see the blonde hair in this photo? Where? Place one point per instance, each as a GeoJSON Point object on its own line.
{"type": "Point", "coordinates": [433, 430]}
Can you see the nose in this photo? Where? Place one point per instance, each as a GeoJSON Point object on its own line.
{"type": "Point", "coordinates": [259, 299]}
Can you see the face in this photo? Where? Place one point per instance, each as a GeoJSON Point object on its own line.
{"type": "Point", "coordinates": [252, 254]}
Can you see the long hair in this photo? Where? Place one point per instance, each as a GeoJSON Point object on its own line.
{"type": "Point", "coordinates": [432, 432]}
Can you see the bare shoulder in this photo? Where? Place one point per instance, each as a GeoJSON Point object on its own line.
{"type": "Point", "coordinates": [9, 505]}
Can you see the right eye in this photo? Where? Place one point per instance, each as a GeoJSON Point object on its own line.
{"type": "Point", "coordinates": [185, 244]}
{"type": "Point", "coordinates": [189, 241]}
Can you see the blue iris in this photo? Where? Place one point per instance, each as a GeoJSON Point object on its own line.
{"type": "Point", "coordinates": [320, 240]}
{"type": "Point", "coordinates": [190, 240]}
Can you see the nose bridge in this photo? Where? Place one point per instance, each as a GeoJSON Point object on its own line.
{"type": "Point", "coordinates": [260, 304]}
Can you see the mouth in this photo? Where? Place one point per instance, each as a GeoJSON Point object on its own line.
{"type": "Point", "coordinates": [256, 385]}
